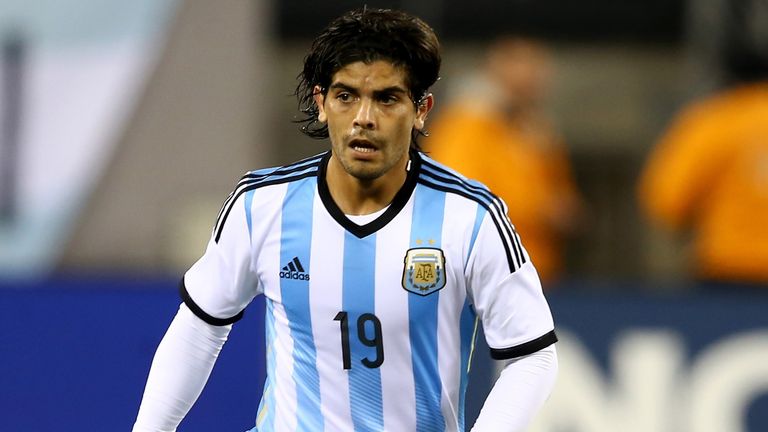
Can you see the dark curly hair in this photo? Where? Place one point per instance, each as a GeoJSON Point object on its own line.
{"type": "Point", "coordinates": [368, 35]}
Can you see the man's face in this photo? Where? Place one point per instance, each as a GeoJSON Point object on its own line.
{"type": "Point", "coordinates": [370, 117]}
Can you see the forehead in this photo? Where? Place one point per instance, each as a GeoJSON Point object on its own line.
{"type": "Point", "coordinates": [374, 75]}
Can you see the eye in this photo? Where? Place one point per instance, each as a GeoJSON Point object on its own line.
{"type": "Point", "coordinates": [388, 99]}
{"type": "Point", "coordinates": [344, 97]}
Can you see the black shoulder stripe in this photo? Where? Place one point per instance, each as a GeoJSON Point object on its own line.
{"type": "Point", "coordinates": [256, 185]}
{"type": "Point", "coordinates": [255, 176]}
{"type": "Point", "coordinates": [287, 169]}
{"type": "Point", "coordinates": [258, 175]}
{"type": "Point", "coordinates": [241, 185]}
{"type": "Point", "coordinates": [513, 265]}
{"type": "Point", "coordinates": [492, 203]}
{"type": "Point", "coordinates": [499, 218]}
{"type": "Point", "coordinates": [495, 209]}
{"type": "Point", "coordinates": [201, 313]}
{"type": "Point", "coordinates": [529, 347]}
{"type": "Point", "coordinates": [443, 173]}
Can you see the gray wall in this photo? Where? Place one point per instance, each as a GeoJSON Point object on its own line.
{"type": "Point", "coordinates": [201, 124]}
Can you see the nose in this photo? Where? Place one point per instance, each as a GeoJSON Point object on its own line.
{"type": "Point", "coordinates": [365, 116]}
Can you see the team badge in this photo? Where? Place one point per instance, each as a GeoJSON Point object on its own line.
{"type": "Point", "coordinates": [424, 270]}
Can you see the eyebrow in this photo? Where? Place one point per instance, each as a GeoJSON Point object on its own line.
{"type": "Point", "coordinates": [386, 90]}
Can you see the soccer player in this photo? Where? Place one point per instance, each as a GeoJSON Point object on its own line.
{"type": "Point", "coordinates": [376, 263]}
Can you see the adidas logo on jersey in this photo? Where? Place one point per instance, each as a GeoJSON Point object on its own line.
{"type": "Point", "coordinates": [294, 270]}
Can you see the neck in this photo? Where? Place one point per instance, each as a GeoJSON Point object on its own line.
{"type": "Point", "coordinates": [356, 196]}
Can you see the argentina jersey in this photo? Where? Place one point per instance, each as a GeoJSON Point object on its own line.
{"type": "Point", "coordinates": [369, 327]}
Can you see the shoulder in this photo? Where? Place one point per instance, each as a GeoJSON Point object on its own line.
{"type": "Point", "coordinates": [281, 174]}
{"type": "Point", "coordinates": [722, 103]}
{"type": "Point", "coordinates": [261, 179]}
{"type": "Point", "coordinates": [438, 176]}
{"type": "Point", "coordinates": [490, 212]}
{"type": "Point", "coordinates": [267, 183]}
{"type": "Point", "coordinates": [265, 179]}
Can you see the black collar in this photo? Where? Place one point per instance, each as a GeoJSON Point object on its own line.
{"type": "Point", "coordinates": [401, 198]}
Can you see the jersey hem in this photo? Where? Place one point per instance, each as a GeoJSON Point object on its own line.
{"type": "Point", "coordinates": [200, 313]}
{"type": "Point", "coordinates": [529, 347]}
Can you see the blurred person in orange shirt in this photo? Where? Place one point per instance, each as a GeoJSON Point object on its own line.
{"type": "Point", "coordinates": [497, 133]}
{"type": "Point", "coordinates": [708, 174]}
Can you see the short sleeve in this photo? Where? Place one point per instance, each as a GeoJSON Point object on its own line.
{"type": "Point", "coordinates": [507, 293]}
{"type": "Point", "coordinates": [219, 286]}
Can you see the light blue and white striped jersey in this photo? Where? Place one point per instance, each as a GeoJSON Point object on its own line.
{"type": "Point", "coordinates": [370, 327]}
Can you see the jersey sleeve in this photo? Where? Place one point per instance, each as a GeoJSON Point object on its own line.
{"type": "Point", "coordinates": [219, 286]}
{"type": "Point", "coordinates": [506, 292]}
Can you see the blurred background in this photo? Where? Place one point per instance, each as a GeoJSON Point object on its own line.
{"type": "Point", "coordinates": [124, 125]}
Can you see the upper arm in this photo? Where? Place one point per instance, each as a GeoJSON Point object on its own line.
{"type": "Point", "coordinates": [223, 282]}
{"type": "Point", "coordinates": [507, 293]}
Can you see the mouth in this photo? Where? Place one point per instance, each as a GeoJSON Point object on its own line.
{"type": "Point", "coordinates": [363, 146]}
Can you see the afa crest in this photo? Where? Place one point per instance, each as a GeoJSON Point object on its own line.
{"type": "Point", "coordinates": [424, 270]}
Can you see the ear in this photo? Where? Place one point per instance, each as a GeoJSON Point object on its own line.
{"type": "Point", "coordinates": [319, 97]}
{"type": "Point", "coordinates": [422, 110]}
